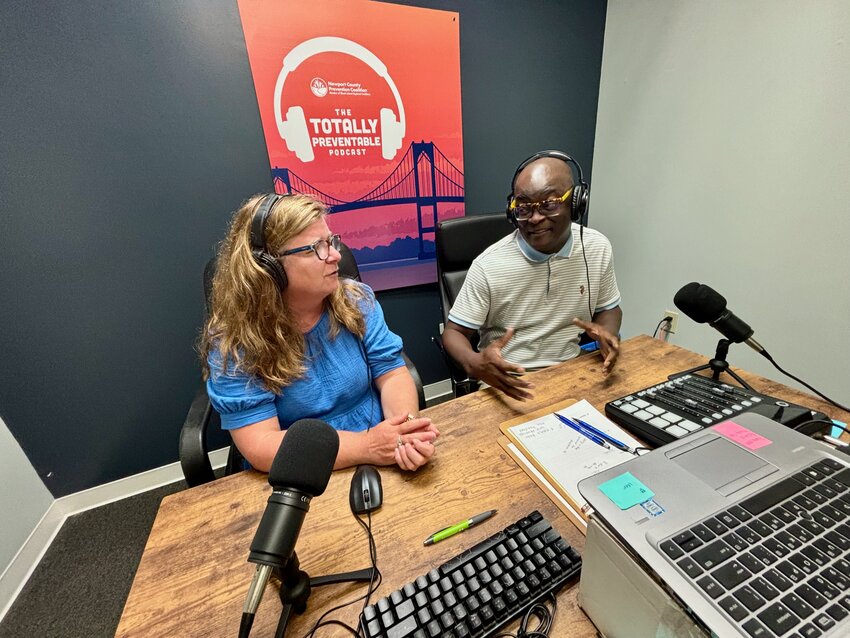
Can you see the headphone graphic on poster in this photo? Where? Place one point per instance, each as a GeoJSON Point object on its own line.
{"type": "Point", "coordinates": [293, 130]}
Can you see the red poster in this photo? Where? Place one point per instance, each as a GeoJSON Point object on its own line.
{"type": "Point", "coordinates": [360, 106]}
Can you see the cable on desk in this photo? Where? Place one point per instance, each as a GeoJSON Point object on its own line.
{"type": "Point", "coordinates": [767, 356]}
{"type": "Point", "coordinates": [374, 583]}
{"type": "Point", "coordinates": [373, 554]}
{"type": "Point", "coordinates": [543, 614]}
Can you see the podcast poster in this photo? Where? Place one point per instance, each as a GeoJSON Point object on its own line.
{"type": "Point", "coordinates": [361, 108]}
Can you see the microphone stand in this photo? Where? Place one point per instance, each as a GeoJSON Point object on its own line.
{"type": "Point", "coordinates": [296, 585]}
{"type": "Point", "coordinates": [717, 365]}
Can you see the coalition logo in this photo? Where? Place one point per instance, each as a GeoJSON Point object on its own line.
{"type": "Point", "coordinates": [319, 87]}
{"type": "Point", "coordinates": [352, 131]}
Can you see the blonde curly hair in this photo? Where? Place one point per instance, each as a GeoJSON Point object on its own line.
{"type": "Point", "coordinates": [250, 326]}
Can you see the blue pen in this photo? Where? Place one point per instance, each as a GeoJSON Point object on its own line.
{"type": "Point", "coordinates": [604, 435]}
{"type": "Point", "coordinates": [582, 431]}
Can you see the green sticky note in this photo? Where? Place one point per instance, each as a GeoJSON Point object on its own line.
{"type": "Point", "coordinates": [625, 491]}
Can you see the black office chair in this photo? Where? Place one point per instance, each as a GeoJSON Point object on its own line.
{"type": "Point", "coordinates": [202, 419]}
{"type": "Point", "coordinates": [459, 241]}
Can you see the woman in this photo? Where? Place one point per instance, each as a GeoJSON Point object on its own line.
{"type": "Point", "coordinates": [287, 340]}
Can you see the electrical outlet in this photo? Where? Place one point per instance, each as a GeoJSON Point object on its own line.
{"type": "Point", "coordinates": [674, 325]}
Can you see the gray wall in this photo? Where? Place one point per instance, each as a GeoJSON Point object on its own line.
{"type": "Point", "coordinates": [722, 157]}
{"type": "Point", "coordinates": [23, 499]}
{"type": "Point", "coordinates": [130, 132]}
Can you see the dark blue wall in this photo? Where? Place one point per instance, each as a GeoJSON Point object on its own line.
{"type": "Point", "coordinates": [130, 131]}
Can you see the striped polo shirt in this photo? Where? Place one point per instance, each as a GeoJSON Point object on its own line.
{"type": "Point", "coordinates": [512, 285]}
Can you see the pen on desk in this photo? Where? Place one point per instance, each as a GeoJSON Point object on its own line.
{"type": "Point", "coordinates": [436, 537]}
{"type": "Point", "coordinates": [604, 435]}
{"type": "Point", "coordinates": [586, 433]}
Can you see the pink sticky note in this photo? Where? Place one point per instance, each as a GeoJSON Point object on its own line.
{"type": "Point", "coordinates": [741, 435]}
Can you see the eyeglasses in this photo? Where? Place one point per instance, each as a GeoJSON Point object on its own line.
{"type": "Point", "coordinates": [547, 208]}
{"type": "Point", "coordinates": [322, 247]}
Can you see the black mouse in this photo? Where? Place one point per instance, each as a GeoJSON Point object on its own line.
{"type": "Point", "coordinates": [366, 493]}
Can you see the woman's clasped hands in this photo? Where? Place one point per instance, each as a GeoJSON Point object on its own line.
{"type": "Point", "coordinates": [404, 440]}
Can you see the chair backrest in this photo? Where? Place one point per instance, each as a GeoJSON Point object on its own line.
{"type": "Point", "coordinates": [347, 265]}
{"type": "Point", "coordinates": [459, 241]}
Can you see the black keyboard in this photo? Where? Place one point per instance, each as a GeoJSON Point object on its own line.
{"type": "Point", "coordinates": [776, 563]}
{"type": "Point", "coordinates": [482, 589]}
{"type": "Point", "coordinates": [670, 410]}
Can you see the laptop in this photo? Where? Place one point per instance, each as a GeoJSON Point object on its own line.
{"type": "Point", "coordinates": [747, 527]}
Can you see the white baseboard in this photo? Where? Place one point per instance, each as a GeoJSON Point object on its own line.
{"type": "Point", "coordinates": [18, 572]}
{"type": "Point", "coordinates": [438, 390]}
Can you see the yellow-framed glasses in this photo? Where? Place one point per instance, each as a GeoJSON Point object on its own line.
{"type": "Point", "coordinates": [547, 208]}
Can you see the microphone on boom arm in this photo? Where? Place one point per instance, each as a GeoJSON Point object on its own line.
{"type": "Point", "coordinates": [301, 470]}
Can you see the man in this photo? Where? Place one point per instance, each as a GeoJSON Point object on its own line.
{"type": "Point", "coordinates": [531, 294]}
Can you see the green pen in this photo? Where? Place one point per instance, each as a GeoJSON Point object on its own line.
{"type": "Point", "coordinates": [436, 537]}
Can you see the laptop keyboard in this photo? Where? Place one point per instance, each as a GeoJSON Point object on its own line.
{"type": "Point", "coordinates": [480, 590]}
{"type": "Point", "coordinates": [777, 562]}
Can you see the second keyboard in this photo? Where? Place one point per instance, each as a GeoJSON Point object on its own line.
{"type": "Point", "coordinates": [482, 589]}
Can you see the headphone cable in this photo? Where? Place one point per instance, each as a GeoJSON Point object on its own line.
{"type": "Point", "coordinates": [586, 268]}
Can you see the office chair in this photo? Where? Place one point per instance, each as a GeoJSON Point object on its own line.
{"type": "Point", "coordinates": [202, 419]}
{"type": "Point", "coordinates": [459, 241]}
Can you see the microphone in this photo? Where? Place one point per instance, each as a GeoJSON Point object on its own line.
{"type": "Point", "coordinates": [301, 470]}
{"type": "Point", "coordinates": [704, 304]}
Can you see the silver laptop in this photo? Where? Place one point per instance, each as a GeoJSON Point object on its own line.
{"type": "Point", "coordinates": [748, 527]}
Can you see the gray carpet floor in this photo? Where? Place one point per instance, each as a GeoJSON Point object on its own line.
{"type": "Point", "coordinates": [80, 586]}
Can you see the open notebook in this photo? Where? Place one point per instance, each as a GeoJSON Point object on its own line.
{"type": "Point", "coordinates": [557, 457]}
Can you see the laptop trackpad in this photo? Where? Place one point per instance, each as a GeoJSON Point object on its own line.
{"type": "Point", "coordinates": [723, 465]}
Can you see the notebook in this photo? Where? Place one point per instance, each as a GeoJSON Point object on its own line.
{"type": "Point", "coordinates": [556, 457]}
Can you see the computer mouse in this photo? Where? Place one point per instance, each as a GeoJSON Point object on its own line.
{"type": "Point", "coordinates": [366, 493]}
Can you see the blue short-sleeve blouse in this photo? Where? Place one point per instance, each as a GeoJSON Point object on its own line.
{"type": "Point", "coordinates": [337, 388]}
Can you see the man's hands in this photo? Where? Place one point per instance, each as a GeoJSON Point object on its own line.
{"type": "Point", "coordinates": [416, 436]}
{"type": "Point", "coordinates": [609, 345]}
{"type": "Point", "coordinates": [490, 367]}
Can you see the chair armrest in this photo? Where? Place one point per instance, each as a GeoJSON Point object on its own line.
{"type": "Point", "coordinates": [193, 445]}
{"type": "Point", "coordinates": [417, 380]}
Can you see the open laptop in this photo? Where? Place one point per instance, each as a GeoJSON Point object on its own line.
{"type": "Point", "coordinates": [748, 527]}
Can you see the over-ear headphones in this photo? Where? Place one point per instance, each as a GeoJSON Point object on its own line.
{"type": "Point", "coordinates": [294, 131]}
{"type": "Point", "coordinates": [265, 259]}
{"type": "Point", "coordinates": [581, 191]}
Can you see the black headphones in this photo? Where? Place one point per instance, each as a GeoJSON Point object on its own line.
{"type": "Point", "coordinates": [581, 191]}
{"type": "Point", "coordinates": [264, 259]}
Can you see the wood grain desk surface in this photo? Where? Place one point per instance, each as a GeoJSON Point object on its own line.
{"type": "Point", "coordinates": [194, 574]}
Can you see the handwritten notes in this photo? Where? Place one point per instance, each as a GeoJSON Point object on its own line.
{"type": "Point", "coordinates": [566, 456]}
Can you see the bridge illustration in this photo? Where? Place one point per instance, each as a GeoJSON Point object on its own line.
{"type": "Point", "coordinates": [424, 177]}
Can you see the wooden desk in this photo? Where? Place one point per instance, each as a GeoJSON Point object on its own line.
{"type": "Point", "coordinates": [193, 576]}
